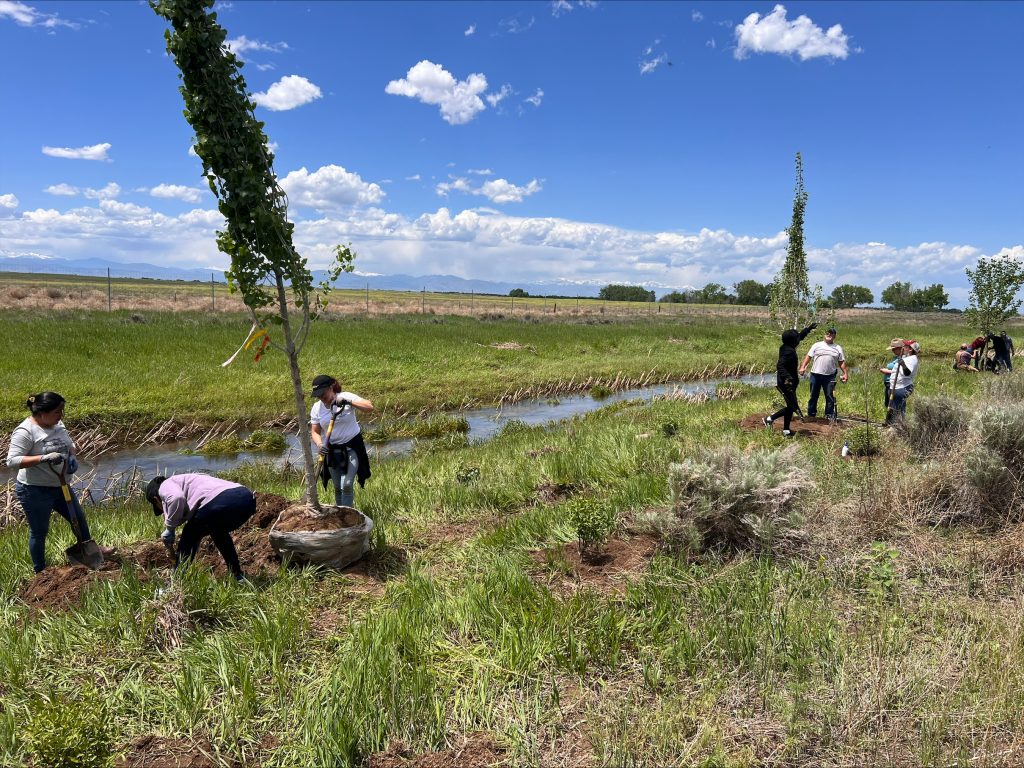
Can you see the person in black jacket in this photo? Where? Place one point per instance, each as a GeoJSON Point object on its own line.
{"type": "Point", "coordinates": [786, 378]}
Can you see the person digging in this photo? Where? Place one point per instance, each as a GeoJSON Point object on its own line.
{"type": "Point", "coordinates": [786, 378]}
{"type": "Point", "coordinates": [826, 359]}
{"type": "Point", "coordinates": [208, 506]}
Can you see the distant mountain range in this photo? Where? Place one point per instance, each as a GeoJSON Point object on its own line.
{"type": "Point", "coordinates": [434, 283]}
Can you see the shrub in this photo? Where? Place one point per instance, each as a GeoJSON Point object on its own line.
{"type": "Point", "coordinates": [936, 424]}
{"type": "Point", "coordinates": [864, 440]}
{"type": "Point", "coordinates": [600, 391]}
{"type": "Point", "coordinates": [739, 501]}
{"type": "Point", "coordinates": [593, 521]}
{"type": "Point", "coordinates": [265, 440]}
{"type": "Point", "coordinates": [1005, 389]}
{"type": "Point", "coordinates": [54, 293]}
{"type": "Point", "coordinates": [64, 732]}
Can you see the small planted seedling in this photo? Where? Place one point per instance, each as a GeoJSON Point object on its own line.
{"type": "Point", "coordinates": [593, 521]}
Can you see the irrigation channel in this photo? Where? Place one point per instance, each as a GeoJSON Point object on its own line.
{"type": "Point", "coordinates": [116, 472]}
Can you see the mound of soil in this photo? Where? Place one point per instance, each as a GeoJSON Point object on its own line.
{"type": "Point", "coordinates": [63, 585]}
{"type": "Point", "coordinates": [607, 570]}
{"type": "Point", "coordinates": [163, 752]}
{"type": "Point", "coordinates": [812, 426]}
{"type": "Point", "coordinates": [299, 518]}
{"type": "Point", "coordinates": [268, 507]}
{"type": "Point", "coordinates": [478, 751]}
{"type": "Point", "coordinates": [552, 493]}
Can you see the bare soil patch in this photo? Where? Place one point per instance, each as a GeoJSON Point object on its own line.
{"type": "Point", "coordinates": [811, 426]}
{"type": "Point", "coordinates": [153, 751]}
{"type": "Point", "coordinates": [608, 570]}
{"type": "Point", "coordinates": [63, 585]}
{"type": "Point", "coordinates": [299, 517]}
{"type": "Point", "coordinates": [552, 493]}
{"type": "Point", "coordinates": [476, 751]}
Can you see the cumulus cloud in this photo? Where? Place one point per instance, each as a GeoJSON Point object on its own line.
{"type": "Point", "coordinates": [801, 37]}
{"type": "Point", "coordinates": [649, 65]}
{"type": "Point", "coordinates": [66, 190]}
{"type": "Point", "coordinates": [62, 190]}
{"type": "Point", "coordinates": [289, 92]}
{"type": "Point", "coordinates": [697, 16]}
{"type": "Point", "coordinates": [27, 16]}
{"type": "Point", "coordinates": [516, 25]}
{"type": "Point", "coordinates": [470, 30]}
{"type": "Point", "coordinates": [176, 192]}
{"type": "Point", "coordinates": [494, 99]}
{"type": "Point", "coordinates": [458, 100]}
{"type": "Point", "coordinates": [8, 201]}
{"type": "Point", "coordinates": [495, 190]}
{"type": "Point", "coordinates": [480, 171]}
{"type": "Point", "coordinates": [330, 188]}
{"type": "Point", "coordinates": [558, 7]}
{"type": "Point", "coordinates": [94, 152]}
{"type": "Point", "coordinates": [536, 98]}
{"type": "Point", "coordinates": [241, 45]}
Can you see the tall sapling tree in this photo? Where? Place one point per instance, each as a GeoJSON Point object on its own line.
{"type": "Point", "coordinates": [238, 165]}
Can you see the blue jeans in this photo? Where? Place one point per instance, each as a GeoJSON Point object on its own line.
{"type": "Point", "coordinates": [899, 402]}
{"type": "Point", "coordinates": [820, 381]}
{"type": "Point", "coordinates": [39, 501]}
{"type": "Point", "coordinates": [344, 482]}
{"type": "Point", "coordinates": [1006, 360]}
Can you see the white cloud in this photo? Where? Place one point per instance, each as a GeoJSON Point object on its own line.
{"type": "Point", "coordinates": [558, 7]}
{"type": "Point", "coordinates": [696, 16]}
{"type": "Point", "coordinates": [8, 201]}
{"type": "Point", "coordinates": [496, 98]}
{"type": "Point", "coordinates": [66, 190]}
{"type": "Point", "coordinates": [414, 177]}
{"type": "Point", "coordinates": [536, 98]}
{"type": "Point", "coordinates": [481, 171]}
{"type": "Point", "coordinates": [62, 189]}
{"type": "Point", "coordinates": [711, 44]}
{"type": "Point", "coordinates": [431, 83]}
{"type": "Point", "coordinates": [515, 25]}
{"type": "Point", "coordinates": [649, 65]}
{"type": "Point", "coordinates": [775, 34]}
{"type": "Point", "coordinates": [287, 93]}
{"type": "Point", "coordinates": [27, 16]}
{"type": "Point", "coordinates": [243, 44]}
{"type": "Point", "coordinates": [470, 30]}
{"type": "Point", "coordinates": [496, 190]}
{"type": "Point", "coordinates": [329, 188]}
{"type": "Point", "coordinates": [95, 152]}
{"type": "Point", "coordinates": [176, 192]}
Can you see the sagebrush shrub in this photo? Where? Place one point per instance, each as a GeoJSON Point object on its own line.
{"type": "Point", "coordinates": [741, 501]}
{"type": "Point", "coordinates": [935, 424]}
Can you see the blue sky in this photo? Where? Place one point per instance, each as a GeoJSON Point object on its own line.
{"type": "Point", "coordinates": [579, 141]}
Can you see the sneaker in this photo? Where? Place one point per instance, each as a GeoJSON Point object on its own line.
{"type": "Point", "coordinates": [788, 433]}
{"type": "Point", "coordinates": [767, 421]}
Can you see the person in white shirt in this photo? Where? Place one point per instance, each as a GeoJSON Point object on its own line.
{"type": "Point", "coordinates": [344, 451]}
{"type": "Point", "coordinates": [903, 377]}
{"type": "Point", "coordinates": [826, 358]}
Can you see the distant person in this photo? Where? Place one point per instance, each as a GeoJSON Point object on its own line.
{"type": "Point", "coordinates": [207, 506]}
{"type": "Point", "coordinates": [344, 451]}
{"type": "Point", "coordinates": [903, 377]}
{"type": "Point", "coordinates": [41, 450]}
{"type": "Point", "coordinates": [1002, 345]}
{"type": "Point", "coordinates": [786, 378]}
{"type": "Point", "coordinates": [896, 348]}
{"type": "Point", "coordinates": [962, 359]}
{"type": "Point", "coordinates": [826, 359]}
{"type": "Point", "coordinates": [975, 347]}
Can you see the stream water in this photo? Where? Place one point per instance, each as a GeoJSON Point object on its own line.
{"type": "Point", "coordinates": [107, 474]}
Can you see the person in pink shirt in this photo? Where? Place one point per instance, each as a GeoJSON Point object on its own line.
{"type": "Point", "coordinates": [206, 506]}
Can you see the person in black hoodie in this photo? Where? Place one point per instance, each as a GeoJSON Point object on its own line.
{"type": "Point", "coordinates": [787, 379]}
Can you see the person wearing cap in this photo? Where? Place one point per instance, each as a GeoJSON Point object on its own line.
{"type": "Point", "coordinates": [207, 506]}
{"type": "Point", "coordinates": [903, 377]}
{"type": "Point", "coordinates": [896, 348]}
{"type": "Point", "coordinates": [1002, 345]}
{"type": "Point", "coordinates": [343, 450]}
{"type": "Point", "coordinates": [826, 358]}
{"type": "Point", "coordinates": [42, 450]}
{"type": "Point", "coordinates": [962, 359]}
{"type": "Point", "coordinates": [786, 378]}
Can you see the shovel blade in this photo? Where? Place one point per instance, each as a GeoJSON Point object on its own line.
{"type": "Point", "coordinates": [85, 553]}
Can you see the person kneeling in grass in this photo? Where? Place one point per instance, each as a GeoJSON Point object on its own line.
{"type": "Point", "coordinates": [208, 506]}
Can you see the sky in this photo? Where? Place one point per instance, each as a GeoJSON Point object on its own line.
{"type": "Point", "coordinates": [632, 142]}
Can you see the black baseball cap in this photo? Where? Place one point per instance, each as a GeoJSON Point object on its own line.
{"type": "Point", "coordinates": [320, 383]}
{"type": "Point", "coordinates": [832, 331]}
{"type": "Point", "coordinates": [153, 492]}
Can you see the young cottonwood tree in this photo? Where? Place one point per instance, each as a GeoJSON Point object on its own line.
{"type": "Point", "coordinates": [792, 303]}
{"type": "Point", "coordinates": [238, 165]}
{"type": "Point", "coordinates": [995, 285]}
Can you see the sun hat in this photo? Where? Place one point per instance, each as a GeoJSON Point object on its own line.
{"type": "Point", "coordinates": [321, 383]}
{"type": "Point", "coordinates": [896, 343]}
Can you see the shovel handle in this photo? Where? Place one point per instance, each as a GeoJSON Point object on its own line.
{"type": "Point", "coordinates": [71, 502]}
{"type": "Point", "coordinates": [327, 437]}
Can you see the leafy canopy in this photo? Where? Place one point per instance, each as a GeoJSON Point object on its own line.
{"type": "Point", "coordinates": [995, 286]}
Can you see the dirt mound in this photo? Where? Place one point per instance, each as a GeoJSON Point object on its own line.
{"type": "Point", "coordinates": [812, 426]}
{"type": "Point", "coordinates": [148, 555]}
{"type": "Point", "coordinates": [478, 751]}
{"type": "Point", "coordinates": [299, 518]}
{"type": "Point", "coordinates": [607, 571]}
{"type": "Point", "coordinates": [62, 585]}
{"type": "Point", "coordinates": [163, 752]}
{"type": "Point", "coordinates": [552, 493]}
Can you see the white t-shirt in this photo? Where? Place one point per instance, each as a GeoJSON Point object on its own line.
{"type": "Point", "coordinates": [901, 379]}
{"type": "Point", "coordinates": [30, 439]}
{"type": "Point", "coordinates": [345, 425]}
{"type": "Point", "coordinates": [825, 357]}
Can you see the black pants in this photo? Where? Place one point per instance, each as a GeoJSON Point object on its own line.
{"type": "Point", "coordinates": [791, 407]}
{"type": "Point", "coordinates": [217, 518]}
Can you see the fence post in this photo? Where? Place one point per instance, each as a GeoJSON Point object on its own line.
{"type": "Point", "coordinates": [512, 311]}
{"type": "Point", "coordinates": [110, 298]}
{"type": "Point", "coordinates": [471, 292]}
{"type": "Point", "coordinates": [423, 300]}
{"type": "Point", "coordinates": [367, 297]}
{"type": "Point", "coordinates": [213, 293]}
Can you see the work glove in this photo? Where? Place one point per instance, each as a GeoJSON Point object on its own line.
{"type": "Point", "coordinates": [341, 402]}
{"type": "Point", "coordinates": [51, 458]}
{"type": "Point", "coordinates": [72, 465]}
{"type": "Point", "coordinates": [323, 450]}
{"type": "Point", "coordinates": [167, 537]}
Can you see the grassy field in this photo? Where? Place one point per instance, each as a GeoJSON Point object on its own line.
{"type": "Point", "coordinates": [883, 641]}
{"type": "Point", "coordinates": [130, 368]}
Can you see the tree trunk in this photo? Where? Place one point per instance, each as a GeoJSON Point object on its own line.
{"type": "Point", "coordinates": [300, 396]}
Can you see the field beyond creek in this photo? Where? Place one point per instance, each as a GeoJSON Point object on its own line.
{"type": "Point", "coordinates": [476, 632]}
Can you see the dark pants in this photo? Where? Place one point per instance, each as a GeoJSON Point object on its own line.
{"type": "Point", "coordinates": [827, 382]}
{"type": "Point", "coordinates": [1005, 359]}
{"type": "Point", "coordinates": [888, 395]}
{"type": "Point", "coordinates": [791, 407]}
{"type": "Point", "coordinates": [39, 501]}
{"type": "Point", "coordinates": [899, 404]}
{"type": "Point", "coordinates": [217, 518]}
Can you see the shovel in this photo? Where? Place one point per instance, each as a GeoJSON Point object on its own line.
{"type": "Point", "coordinates": [330, 428]}
{"type": "Point", "coordinates": [86, 552]}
